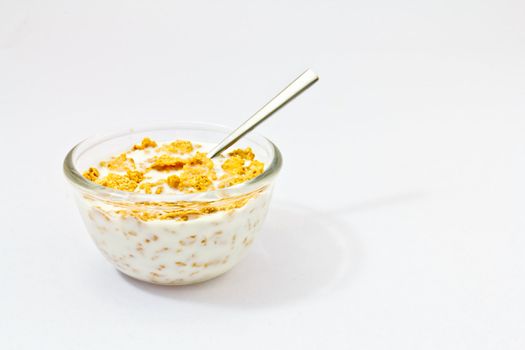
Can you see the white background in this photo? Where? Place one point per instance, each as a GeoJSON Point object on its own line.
{"type": "Point", "coordinates": [398, 219]}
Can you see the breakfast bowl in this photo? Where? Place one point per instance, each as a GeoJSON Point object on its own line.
{"type": "Point", "coordinates": [172, 238]}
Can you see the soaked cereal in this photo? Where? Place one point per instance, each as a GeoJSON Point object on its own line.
{"type": "Point", "coordinates": [179, 242]}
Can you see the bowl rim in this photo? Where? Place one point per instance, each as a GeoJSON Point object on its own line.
{"type": "Point", "coordinates": [75, 176]}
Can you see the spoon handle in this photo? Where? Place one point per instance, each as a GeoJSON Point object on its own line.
{"type": "Point", "coordinates": [296, 87]}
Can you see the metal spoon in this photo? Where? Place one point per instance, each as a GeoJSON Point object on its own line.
{"type": "Point", "coordinates": [296, 87]}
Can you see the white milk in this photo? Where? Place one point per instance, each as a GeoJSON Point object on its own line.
{"type": "Point", "coordinates": [170, 251]}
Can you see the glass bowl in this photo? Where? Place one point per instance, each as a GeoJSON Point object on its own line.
{"type": "Point", "coordinates": [172, 239]}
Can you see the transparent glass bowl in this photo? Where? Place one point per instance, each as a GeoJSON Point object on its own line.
{"type": "Point", "coordinates": [172, 239]}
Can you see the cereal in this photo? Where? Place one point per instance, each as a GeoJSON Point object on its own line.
{"type": "Point", "coordinates": [194, 183]}
{"type": "Point", "coordinates": [172, 167]}
{"type": "Point", "coordinates": [170, 249]}
{"type": "Point", "coordinates": [148, 186]}
{"type": "Point", "coordinates": [178, 146]}
{"type": "Point", "coordinates": [164, 239]}
{"type": "Point", "coordinates": [239, 170]}
{"type": "Point", "coordinates": [146, 142]}
{"type": "Point", "coordinates": [118, 182]}
{"type": "Point", "coordinates": [173, 181]}
{"type": "Point", "coordinates": [120, 163]}
{"type": "Point", "coordinates": [243, 153]}
{"type": "Point", "coordinates": [91, 174]}
{"type": "Point", "coordinates": [166, 162]}
{"type": "Point", "coordinates": [136, 176]}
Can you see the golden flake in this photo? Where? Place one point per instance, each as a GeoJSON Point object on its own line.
{"type": "Point", "coordinates": [192, 172]}
{"type": "Point", "coordinates": [120, 163]}
{"type": "Point", "coordinates": [118, 182]}
{"type": "Point", "coordinates": [91, 174]}
{"type": "Point", "coordinates": [246, 153]}
{"type": "Point", "coordinates": [173, 181]}
{"type": "Point", "coordinates": [166, 162]}
{"type": "Point", "coordinates": [178, 146]}
{"type": "Point", "coordinates": [146, 143]}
